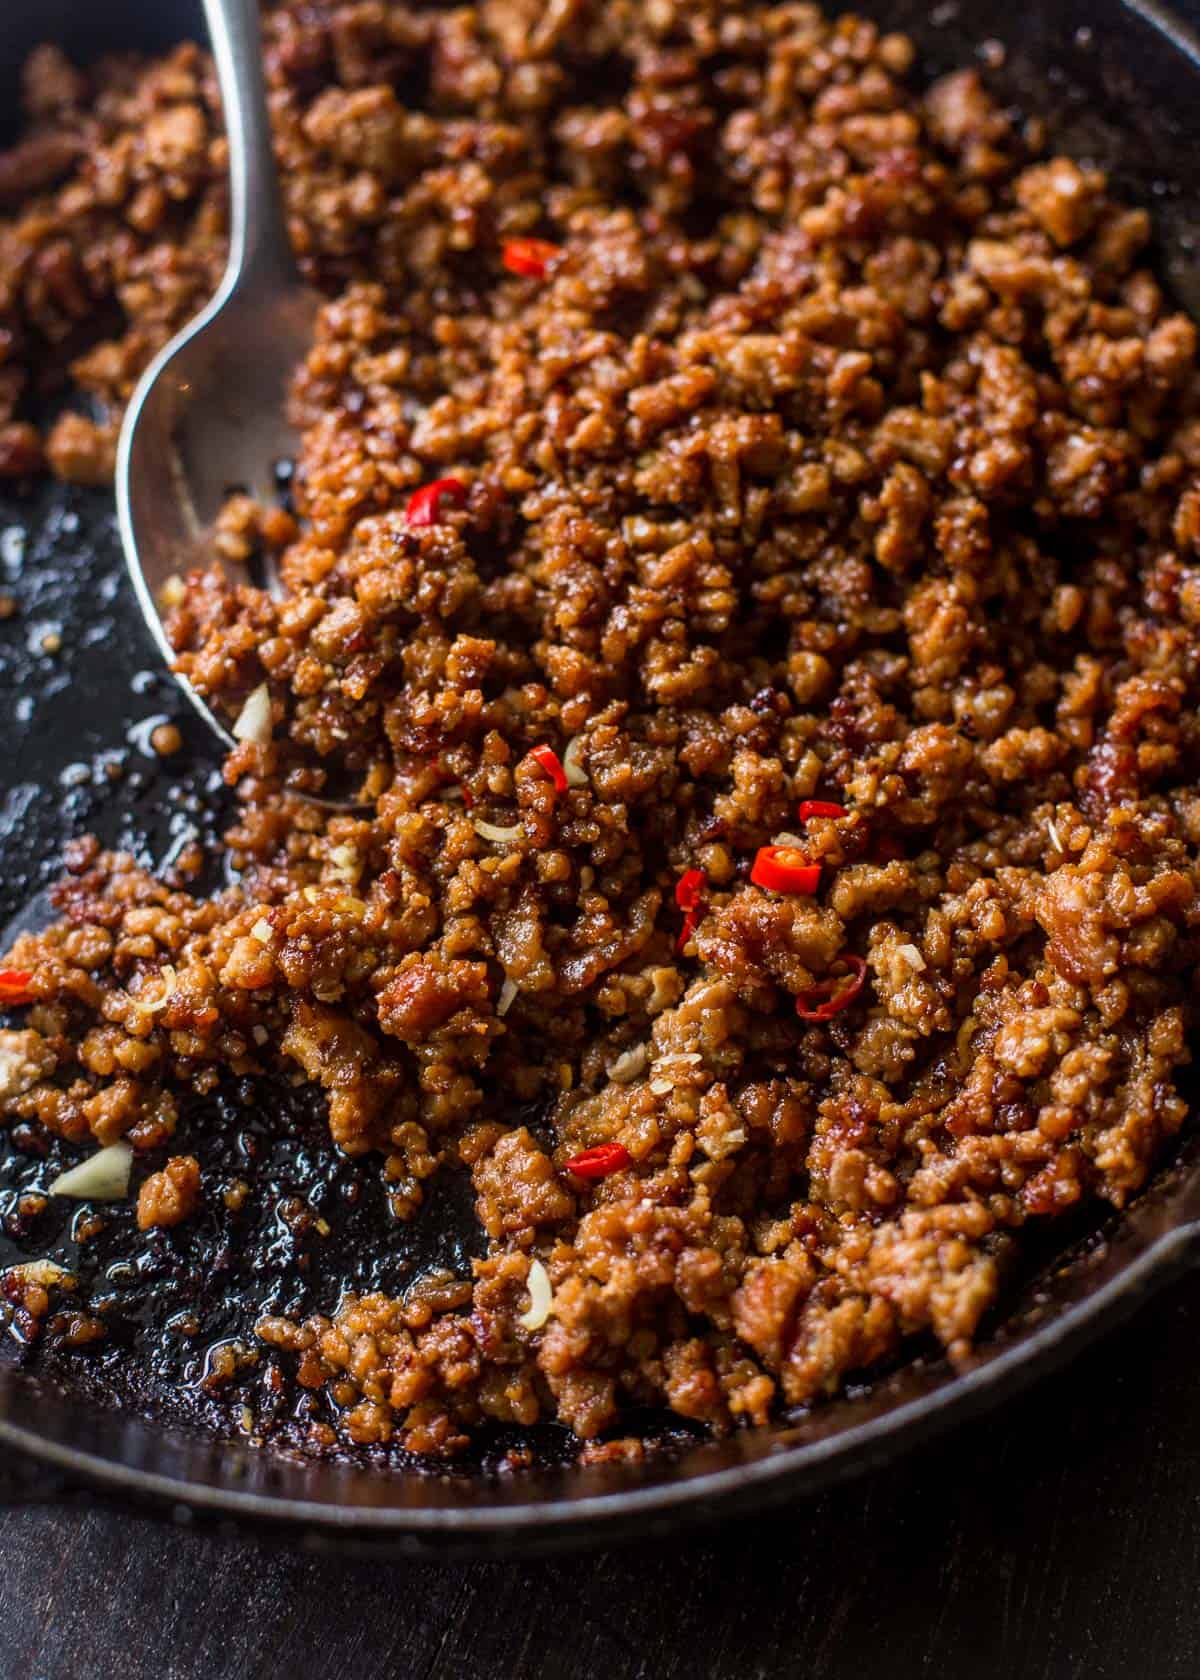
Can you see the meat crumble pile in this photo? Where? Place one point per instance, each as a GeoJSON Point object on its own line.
{"type": "Point", "coordinates": [743, 551]}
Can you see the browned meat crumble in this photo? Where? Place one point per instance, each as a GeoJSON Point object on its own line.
{"type": "Point", "coordinates": [837, 447]}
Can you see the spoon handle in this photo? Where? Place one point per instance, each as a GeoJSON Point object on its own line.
{"type": "Point", "coordinates": [258, 237]}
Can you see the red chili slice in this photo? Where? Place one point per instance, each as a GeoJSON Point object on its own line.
{"type": "Point", "coordinates": [552, 765]}
{"type": "Point", "coordinates": [689, 889]}
{"type": "Point", "coordinates": [605, 1158]}
{"type": "Point", "coordinates": [821, 808]}
{"type": "Point", "coordinates": [14, 986]}
{"type": "Point", "coordinates": [422, 506]}
{"type": "Point", "coordinates": [822, 1003]}
{"type": "Point", "coordinates": [785, 869]}
{"type": "Point", "coordinates": [530, 257]}
{"type": "Point", "coordinates": [689, 896]}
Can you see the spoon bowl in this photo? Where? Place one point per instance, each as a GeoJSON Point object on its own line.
{"type": "Point", "coordinates": [208, 415]}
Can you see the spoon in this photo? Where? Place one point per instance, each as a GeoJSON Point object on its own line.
{"type": "Point", "coordinates": [208, 414]}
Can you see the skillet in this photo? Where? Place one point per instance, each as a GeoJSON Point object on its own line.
{"type": "Point", "coordinates": [1118, 80]}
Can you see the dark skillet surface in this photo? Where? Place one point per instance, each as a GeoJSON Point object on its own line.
{"type": "Point", "coordinates": [91, 694]}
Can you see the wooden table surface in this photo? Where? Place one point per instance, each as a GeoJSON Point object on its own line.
{"type": "Point", "coordinates": [1058, 1538]}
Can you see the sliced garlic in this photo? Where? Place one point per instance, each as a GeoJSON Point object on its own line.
{"type": "Point", "coordinates": [103, 1177]}
{"type": "Point", "coordinates": [540, 1297]}
{"type": "Point", "coordinates": [628, 1065]}
{"type": "Point", "coordinates": [254, 719]}
{"type": "Point", "coordinates": [575, 773]}
{"type": "Point", "coordinates": [167, 979]}
{"type": "Point", "coordinates": [493, 831]}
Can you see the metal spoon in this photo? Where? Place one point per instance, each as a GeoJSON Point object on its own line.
{"type": "Point", "coordinates": [208, 413]}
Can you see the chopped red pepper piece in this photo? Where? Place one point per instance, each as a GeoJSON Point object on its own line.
{"type": "Point", "coordinates": [14, 986]}
{"type": "Point", "coordinates": [821, 808]}
{"type": "Point", "coordinates": [785, 869]}
{"type": "Point", "coordinates": [531, 257]}
{"type": "Point", "coordinates": [605, 1158]}
{"type": "Point", "coordinates": [823, 1002]}
{"type": "Point", "coordinates": [689, 896]}
{"type": "Point", "coordinates": [689, 889]}
{"type": "Point", "coordinates": [422, 506]}
{"type": "Point", "coordinates": [552, 765]}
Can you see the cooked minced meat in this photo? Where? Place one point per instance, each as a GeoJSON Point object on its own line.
{"type": "Point", "coordinates": [711, 444]}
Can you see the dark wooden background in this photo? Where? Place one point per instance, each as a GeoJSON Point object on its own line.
{"type": "Point", "coordinates": [1057, 1538]}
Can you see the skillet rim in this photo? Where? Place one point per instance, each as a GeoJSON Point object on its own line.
{"type": "Point", "coordinates": [48, 1470]}
{"type": "Point", "coordinates": [542, 1525]}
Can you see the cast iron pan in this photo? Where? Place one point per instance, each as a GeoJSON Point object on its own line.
{"type": "Point", "coordinates": [136, 1422]}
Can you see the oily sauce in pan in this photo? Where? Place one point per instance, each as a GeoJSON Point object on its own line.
{"type": "Point", "coordinates": [742, 543]}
